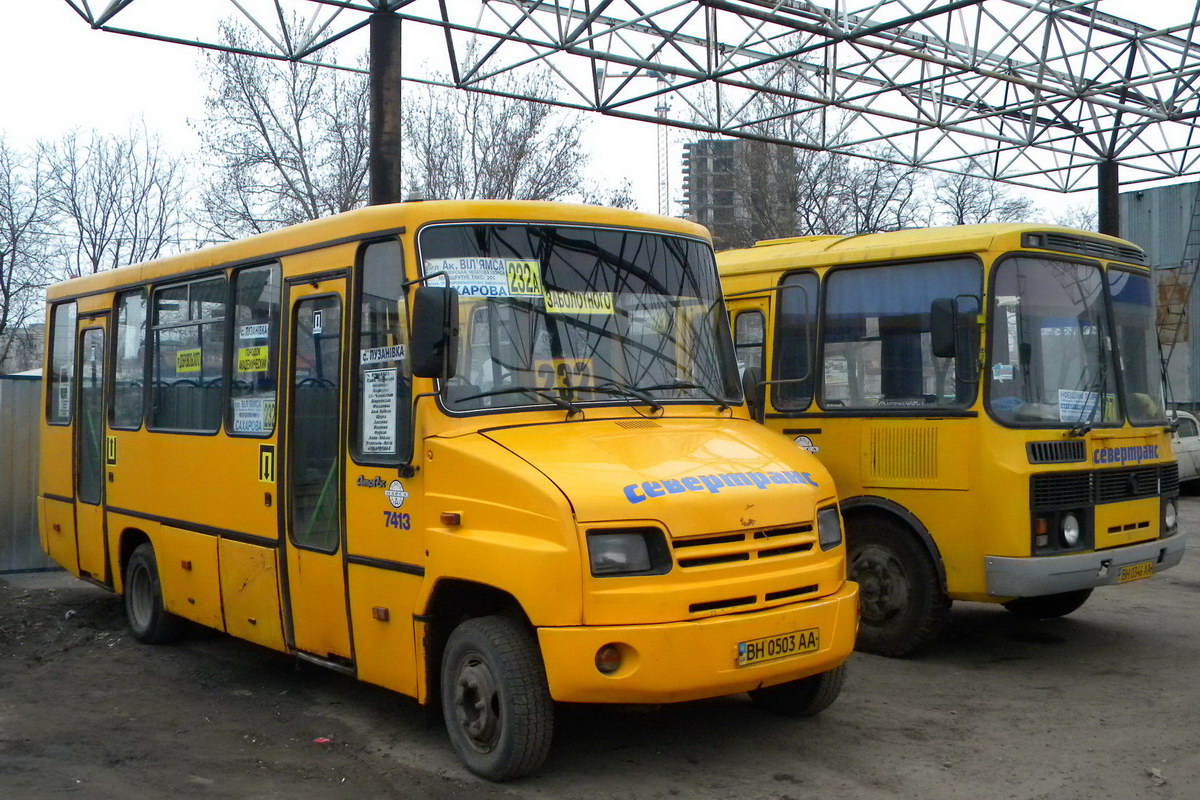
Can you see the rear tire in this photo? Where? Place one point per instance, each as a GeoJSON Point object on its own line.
{"type": "Point", "coordinates": [802, 698]}
{"type": "Point", "coordinates": [495, 699]}
{"type": "Point", "coordinates": [901, 603]}
{"type": "Point", "coordinates": [1048, 606]}
{"type": "Point", "coordinates": [149, 621]}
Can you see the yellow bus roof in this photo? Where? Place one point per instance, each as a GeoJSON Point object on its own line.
{"type": "Point", "coordinates": [362, 223]}
{"type": "Point", "coordinates": [811, 251]}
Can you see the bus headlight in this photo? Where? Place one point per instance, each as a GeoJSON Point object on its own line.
{"type": "Point", "coordinates": [829, 527]}
{"type": "Point", "coordinates": [1069, 530]}
{"type": "Point", "coordinates": [1170, 515]}
{"type": "Point", "coordinates": [641, 551]}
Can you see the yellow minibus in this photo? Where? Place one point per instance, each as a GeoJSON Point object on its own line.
{"type": "Point", "coordinates": [989, 401]}
{"type": "Point", "coordinates": [490, 455]}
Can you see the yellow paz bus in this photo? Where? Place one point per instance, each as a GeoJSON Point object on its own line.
{"type": "Point", "coordinates": [490, 455]}
{"type": "Point", "coordinates": [988, 399]}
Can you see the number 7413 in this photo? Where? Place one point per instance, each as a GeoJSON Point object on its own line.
{"type": "Point", "coordinates": [397, 519]}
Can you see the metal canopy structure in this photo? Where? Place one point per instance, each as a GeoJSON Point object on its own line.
{"type": "Point", "coordinates": [1031, 92]}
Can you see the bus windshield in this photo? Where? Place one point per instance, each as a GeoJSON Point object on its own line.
{"type": "Point", "coordinates": [555, 314]}
{"type": "Point", "coordinates": [1137, 346]}
{"type": "Point", "coordinates": [1051, 356]}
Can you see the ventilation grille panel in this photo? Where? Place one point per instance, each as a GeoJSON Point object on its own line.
{"type": "Point", "coordinates": [905, 453]}
{"type": "Point", "coordinates": [1061, 452]}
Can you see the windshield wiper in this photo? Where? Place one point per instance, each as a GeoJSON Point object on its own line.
{"type": "Point", "coordinates": [1082, 426]}
{"type": "Point", "coordinates": [561, 402]}
{"type": "Point", "coordinates": [612, 387]}
{"type": "Point", "coordinates": [720, 401]}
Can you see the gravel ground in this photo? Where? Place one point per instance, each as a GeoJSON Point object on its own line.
{"type": "Point", "coordinates": [1104, 703]}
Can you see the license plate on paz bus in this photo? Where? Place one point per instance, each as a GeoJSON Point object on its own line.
{"type": "Point", "coordinates": [781, 645]}
{"type": "Point", "coordinates": [1135, 572]}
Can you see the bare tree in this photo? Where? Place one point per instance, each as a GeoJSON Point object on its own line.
{"type": "Point", "coordinates": [619, 196]}
{"type": "Point", "coordinates": [461, 144]}
{"type": "Point", "coordinates": [967, 199]}
{"type": "Point", "coordinates": [882, 196]}
{"type": "Point", "coordinates": [1083, 216]}
{"type": "Point", "coordinates": [117, 200]}
{"type": "Point", "coordinates": [24, 236]}
{"type": "Point", "coordinates": [286, 142]}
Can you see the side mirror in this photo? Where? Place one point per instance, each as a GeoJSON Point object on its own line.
{"type": "Point", "coordinates": [755, 391]}
{"type": "Point", "coordinates": [434, 339]}
{"type": "Point", "coordinates": [942, 338]}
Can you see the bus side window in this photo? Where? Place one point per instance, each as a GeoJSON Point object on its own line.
{"type": "Point", "coordinates": [130, 372]}
{"type": "Point", "coordinates": [62, 364]}
{"type": "Point", "coordinates": [188, 356]}
{"type": "Point", "coordinates": [877, 344]}
{"type": "Point", "coordinates": [252, 391]}
{"type": "Point", "coordinates": [382, 394]}
{"type": "Point", "coordinates": [748, 338]}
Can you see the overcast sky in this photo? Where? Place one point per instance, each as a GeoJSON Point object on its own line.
{"type": "Point", "coordinates": [57, 74]}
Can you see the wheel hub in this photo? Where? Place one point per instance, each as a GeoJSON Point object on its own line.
{"type": "Point", "coordinates": [477, 703]}
{"type": "Point", "coordinates": [882, 584]}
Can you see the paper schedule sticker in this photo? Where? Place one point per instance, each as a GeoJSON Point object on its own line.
{"type": "Point", "coordinates": [560, 302]}
{"type": "Point", "coordinates": [490, 277]}
{"type": "Point", "coordinates": [187, 360]}
{"type": "Point", "coordinates": [252, 359]}
{"type": "Point", "coordinates": [524, 278]}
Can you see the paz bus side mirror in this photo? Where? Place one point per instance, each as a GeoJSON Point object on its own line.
{"type": "Point", "coordinates": [755, 391]}
{"type": "Point", "coordinates": [434, 340]}
{"type": "Point", "coordinates": [942, 338]}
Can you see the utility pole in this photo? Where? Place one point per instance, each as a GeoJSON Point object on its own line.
{"type": "Point", "coordinates": [383, 160]}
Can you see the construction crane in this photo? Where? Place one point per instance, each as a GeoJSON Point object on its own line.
{"type": "Point", "coordinates": [664, 140]}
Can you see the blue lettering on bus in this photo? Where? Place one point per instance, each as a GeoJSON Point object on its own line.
{"type": "Point", "coordinates": [1123, 455]}
{"type": "Point", "coordinates": [714, 484]}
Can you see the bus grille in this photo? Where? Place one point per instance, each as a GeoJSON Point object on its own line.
{"type": "Point", "coordinates": [1056, 452]}
{"type": "Point", "coordinates": [1074, 489]}
{"type": "Point", "coordinates": [1062, 490]}
{"type": "Point", "coordinates": [730, 548]}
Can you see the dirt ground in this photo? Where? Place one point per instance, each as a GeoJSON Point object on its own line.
{"type": "Point", "coordinates": [1102, 704]}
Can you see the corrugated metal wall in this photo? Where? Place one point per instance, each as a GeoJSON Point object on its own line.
{"type": "Point", "coordinates": [20, 549]}
{"type": "Point", "coordinates": [1158, 220]}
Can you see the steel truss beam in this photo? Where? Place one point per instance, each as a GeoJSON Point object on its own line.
{"type": "Point", "coordinates": [1031, 92]}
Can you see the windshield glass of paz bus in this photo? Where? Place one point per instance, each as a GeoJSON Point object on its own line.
{"type": "Point", "coordinates": [562, 315]}
{"type": "Point", "coordinates": [1052, 345]}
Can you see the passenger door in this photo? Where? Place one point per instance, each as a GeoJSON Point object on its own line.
{"type": "Point", "coordinates": [313, 507]}
{"type": "Point", "coordinates": [89, 449]}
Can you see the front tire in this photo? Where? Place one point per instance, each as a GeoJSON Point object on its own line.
{"type": "Point", "coordinates": [1048, 606]}
{"type": "Point", "coordinates": [901, 603]}
{"type": "Point", "coordinates": [149, 620]}
{"type": "Point", "coordinates": [495, 699]}
{"type": "Point", "coordinates": [802, 698]}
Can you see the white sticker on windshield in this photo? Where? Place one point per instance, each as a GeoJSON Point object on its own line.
{"type": "Point", "coordinates": [1078, 406]}
{"type": "Point", "coordinates": [379, 411]}
{"type": "Point", "coordinates": [374, 355]}
{"type": "Point", "coordinates": [259, 331]}
{"type": "Point", "coordinates": [490, 277]}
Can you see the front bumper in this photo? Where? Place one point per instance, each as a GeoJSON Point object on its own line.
{"type": "Point", "coordinates": [1031, 577]}
{"type": "Point", "coordinates": [679, 661]}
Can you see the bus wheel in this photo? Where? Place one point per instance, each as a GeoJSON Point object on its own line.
{"type": "Point", "coordinates": [901, 604]}
{"type": "Point", "coordinates": [495, 699]}
{"type": "Point", "coordinates": [1048, 606]}
{"type": "Point", "coordinates": [802, 698]}
{"type": "Point", "coordinates": [149, 621]}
